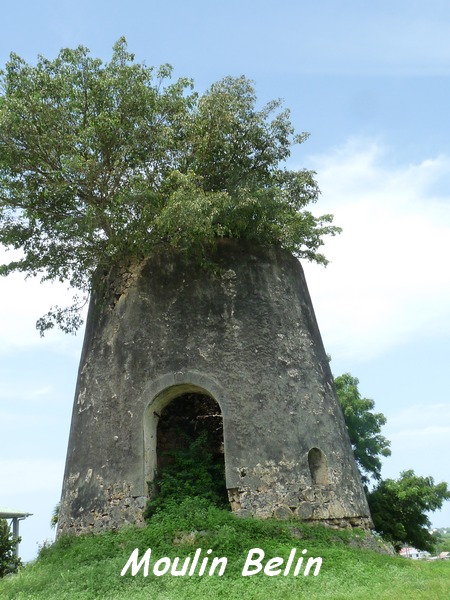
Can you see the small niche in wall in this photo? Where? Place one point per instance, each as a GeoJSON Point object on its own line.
{"type": "Point", "coordinates": [318, 467]}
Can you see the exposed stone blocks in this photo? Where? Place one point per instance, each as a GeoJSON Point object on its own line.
{"type": "Point", "coordinates": [112, 506]}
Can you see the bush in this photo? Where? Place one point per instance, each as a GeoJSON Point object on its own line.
{"type": "Point", "coordinates": [9, 562]}
{"type": "Point", "coordinates": [400, 509]}
{"type": "Point", "coordinates": [193, 474]}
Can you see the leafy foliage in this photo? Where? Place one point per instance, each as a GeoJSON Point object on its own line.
{"type": "Point", "coordinates": [441, 540]}
{"type": "Point", "coordinates": [9, 562]}
{"type": "Point", "coordinates": [101, 163]}
{"type": "Point", "coordinates": [364, 427]}
{"type": "Point", "coordinates": [399, 508]}
{"type": "Point", "coordinates": [192, 474]}
{"type": "Point", "coordinates": [55, 516]}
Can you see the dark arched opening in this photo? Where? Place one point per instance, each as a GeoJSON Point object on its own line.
{"type": "Point", "coordinates": [318, 467]}
{"type": "Point", "coordinates": [190, 446]}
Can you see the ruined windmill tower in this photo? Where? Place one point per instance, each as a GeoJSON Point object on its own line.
{"type": "Point", "coordinates": [240, 349]}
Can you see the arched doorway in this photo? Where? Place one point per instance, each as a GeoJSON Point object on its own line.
{"type": "Point", "coordinates": [184, 436]}
{"type": "Point", "coordinates": [185, 419]}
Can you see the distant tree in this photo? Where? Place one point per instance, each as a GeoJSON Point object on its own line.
{"type": "Point", "coordinates": [364, 427]}
{"type": "Point", "coordinates": [9, 562]}
{"type": "Point", "coordinates": [441, 542]}
{"type": "Point", "coordinates": [399, 508]}
{"type": "Point", "coordinates": [102, 163]}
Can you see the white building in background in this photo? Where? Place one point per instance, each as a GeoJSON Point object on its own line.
{"type": "Point", "coordinates": [15, 516]}
{"type": "Point", "coordinates": [413, 553]}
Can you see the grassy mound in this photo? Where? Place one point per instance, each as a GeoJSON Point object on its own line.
{"type": "Point", "coordinates": [89, 567]}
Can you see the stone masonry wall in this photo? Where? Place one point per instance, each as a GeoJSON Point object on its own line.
{"type": "Point", "coordinates": [246, 335]}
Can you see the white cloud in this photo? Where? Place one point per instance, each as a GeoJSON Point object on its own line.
{"type": "Point", "coordinates": [418, 416]}
{"type": "Point", "coordinates": [22, 302]}
{"type": "Point", "coordinates": [388, 280]}
{"type": "Point", "coordinates": [423, 428]}
{"type": "Point", "coordinates": [24, 477]}
{"type": "Point", "coordinates": [24, 391]}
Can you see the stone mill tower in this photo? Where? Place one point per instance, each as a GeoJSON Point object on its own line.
{"type": "Point", "coordinates": [238, 348]}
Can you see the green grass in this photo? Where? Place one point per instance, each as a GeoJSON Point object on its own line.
{"type": "Point", "coordinates": [87, 568]}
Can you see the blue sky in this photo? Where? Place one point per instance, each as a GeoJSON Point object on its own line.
{"type": "Point", "coordinates": [370, 82]}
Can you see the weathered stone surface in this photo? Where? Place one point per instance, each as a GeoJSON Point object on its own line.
{"type": "Point", "coordinates": [282, 512]}
{"type": "Point", "coordinates": [248, 338]}
{"type": "Point", "coordinates": [304, 511]}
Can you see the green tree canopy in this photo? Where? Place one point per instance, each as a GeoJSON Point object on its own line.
{"type": "Point", "coordinates": [364, 427]}
{"type": "Point", "coordinates": [399, 509]}
{"type": "Point", "coordinates": [102, 162]}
